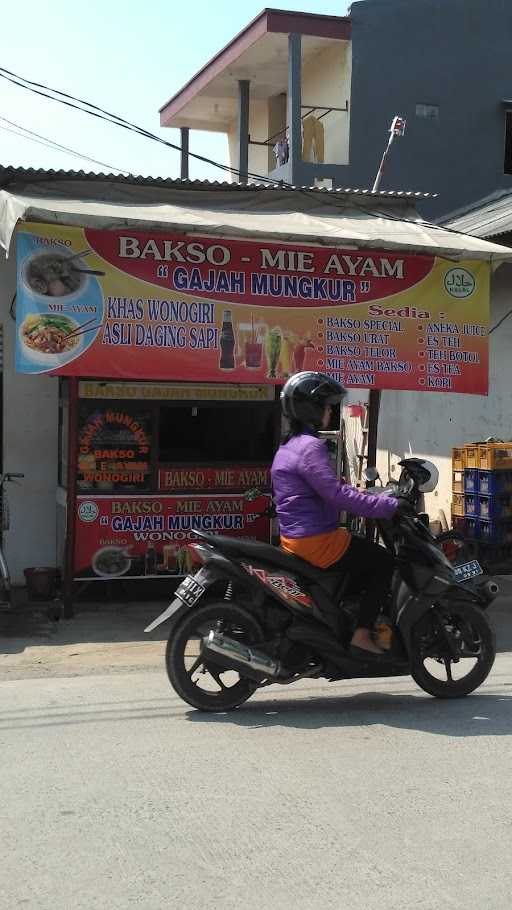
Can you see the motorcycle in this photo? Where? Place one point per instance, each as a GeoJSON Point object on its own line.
{"type": "Point", "coordinates": [253, 615]}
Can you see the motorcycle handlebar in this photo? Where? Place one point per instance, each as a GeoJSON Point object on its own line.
{"type": "Point", "coordinates": [414, 524]}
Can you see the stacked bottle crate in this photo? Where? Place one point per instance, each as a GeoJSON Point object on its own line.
{"type": "Point", "coordinates": [482, 495]}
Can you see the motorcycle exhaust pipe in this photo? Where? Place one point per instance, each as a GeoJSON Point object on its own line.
{"type": "Point", "coordinates": [233, 655]}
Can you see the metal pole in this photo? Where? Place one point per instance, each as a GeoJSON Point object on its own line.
{"type": "Point", "coordinates": [378, 178]}
{"type": "Point", "coordinates": [397, 128]}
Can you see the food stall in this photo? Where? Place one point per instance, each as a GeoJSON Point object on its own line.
{"type": "Point", "coordinates": [170, 349]}
{"type": "Point", "coordinates": [153, 462]}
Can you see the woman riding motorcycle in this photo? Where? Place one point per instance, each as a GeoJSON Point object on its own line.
{"type": "Point", "coordinates": [309, 498]}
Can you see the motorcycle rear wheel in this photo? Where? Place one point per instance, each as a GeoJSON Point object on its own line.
{"type": "Point", "coordinates": [471, 629]}
{"type": "Point", "coordinates": [220, 690]}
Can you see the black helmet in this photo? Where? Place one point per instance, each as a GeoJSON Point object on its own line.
{"type": "Point", "coordinates": [305, 396]}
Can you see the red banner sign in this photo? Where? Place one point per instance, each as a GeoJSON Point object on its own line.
{"type": "Point", "coordinates": [147, 536]}
{"type": "Point", "coordinates": [139, 305]}
{"type": "Point", "coordinates": [224, 477]}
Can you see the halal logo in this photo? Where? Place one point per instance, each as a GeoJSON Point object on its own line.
{"type": "Point", "coordinates": [88, 511]}
{"type": "Point", "coordinates": [459, 283]}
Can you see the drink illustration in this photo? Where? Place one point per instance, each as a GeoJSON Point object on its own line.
{"type": "Point", "coordinates": [253, 348]}
{"type": "Point", "coordinates": [150, 560]}
{"type": "Point", "coordinates": [243, 335]}
{"type": "Point", "coordinates": [184, 562]}
{"type": "Point", "coordinates": [287, 347]}
{"type": "Point", "coordinates": [253, 354]}
{"type": "Point", "coordinates": [169, 557]}
{"type": "Point", "coordinates": [299, 353]}
{"type": "Point", "coordinates": [273, 348]}
{"type": "Point", "coordinates": [227, 343]}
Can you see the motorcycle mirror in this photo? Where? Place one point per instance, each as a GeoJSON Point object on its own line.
{"type": "Point", "coordinates": [371, 474]}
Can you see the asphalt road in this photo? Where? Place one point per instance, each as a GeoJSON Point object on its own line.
{"type": "Point", "coordinates": [365, 796]}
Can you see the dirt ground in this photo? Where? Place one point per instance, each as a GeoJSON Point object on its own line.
{"type": "Point", "coordinates": [100, 638]}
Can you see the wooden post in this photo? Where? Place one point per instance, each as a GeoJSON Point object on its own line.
{"type": "Point", "coordinates": [373, 428]}
{"type": "Point", "coordinates": [371, 460]}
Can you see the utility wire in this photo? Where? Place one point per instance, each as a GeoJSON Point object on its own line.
{"type": "Point", "coordinates": [95, 111]}
{"type": "Point", "coordinates": [500, 321]}
{"type": "Point", "coordinates": [51, 143]}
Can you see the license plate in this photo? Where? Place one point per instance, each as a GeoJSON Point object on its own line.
{"type": "Point", "coordinates": [190, 591]}
{"type": "Point", "coordinates": [468, 570]}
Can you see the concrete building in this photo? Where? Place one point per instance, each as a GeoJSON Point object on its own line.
{"type": "Point", "coordinates": [441, 64]}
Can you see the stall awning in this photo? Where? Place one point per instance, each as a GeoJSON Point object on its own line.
{"type": "Point", "coordinates": [348, 219]}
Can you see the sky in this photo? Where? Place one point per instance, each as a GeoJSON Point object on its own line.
{"type": "Point", "coordinates": [128, 61]}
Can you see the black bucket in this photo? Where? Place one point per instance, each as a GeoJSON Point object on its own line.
{"type": "Point", "coordinates": [41, 582]}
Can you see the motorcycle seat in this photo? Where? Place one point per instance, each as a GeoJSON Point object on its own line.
{"type": "Point", "coordinates": [264, 552]}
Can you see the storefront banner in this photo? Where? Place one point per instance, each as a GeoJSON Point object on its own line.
{"type": "Point", "coordinates": [223, 477]}
{"type": "Point", "coordinates": [147, 536]}
{"type": "Point", "coordinates": [133, 305]}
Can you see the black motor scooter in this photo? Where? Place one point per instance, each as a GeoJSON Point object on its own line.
{"type": "Point", "coordinates": [253, 615]}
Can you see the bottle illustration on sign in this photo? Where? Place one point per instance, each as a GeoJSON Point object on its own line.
{"type": "Point", "coordinates": [227, 343]}
{"type": "Point", "coordinates": [150, 560]}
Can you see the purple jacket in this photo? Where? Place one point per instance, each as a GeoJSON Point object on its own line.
{"type": "Point", "coordinates": [309, 496]}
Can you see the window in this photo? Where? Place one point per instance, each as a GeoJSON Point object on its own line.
{"type": "Point", "coordinates": [507, 165]}
{"type": "Point", "coordinates": [214, 434]}
{"type": "Point", "coordinates": [427, 111]}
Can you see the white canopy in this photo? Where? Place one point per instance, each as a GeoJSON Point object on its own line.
{"type": "Point", "coordinates": [349, 219]}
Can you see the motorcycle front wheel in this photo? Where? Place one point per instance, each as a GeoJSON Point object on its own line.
{"type": "Point", "coordinates": [453, 649]}
{"type": "Point", "coordinates": [201, 684]}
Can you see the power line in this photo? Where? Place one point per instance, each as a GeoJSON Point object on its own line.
{"type": "Point", "coordinates": [50, 143]}
{"type": "Point", "coordinates": [101, 114]}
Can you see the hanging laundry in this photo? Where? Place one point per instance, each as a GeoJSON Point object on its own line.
{"type": "Point", "coordinates": [313, 140]}
{"type": "Point", "coordinates": [281, 151]}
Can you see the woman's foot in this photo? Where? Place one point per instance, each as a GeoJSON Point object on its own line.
{"type": "Point", "coordinates": [362, 639]}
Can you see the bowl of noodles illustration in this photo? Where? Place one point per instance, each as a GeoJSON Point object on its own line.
{"type": "Point", "coordinates": [51, 339]}
{"type": "Point", "coordinates": [111, 562]}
